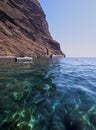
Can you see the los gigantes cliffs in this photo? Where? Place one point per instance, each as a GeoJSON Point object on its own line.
{"type": "Point", "coordinates": [24, 30]}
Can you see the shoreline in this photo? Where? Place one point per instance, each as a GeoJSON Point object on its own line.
{"type": "Point", "coordinates": [14, 57]}
{"type": "Point", "coordinates": [28, 58]}
{"type": "Point", "coordinates": [1, 57]}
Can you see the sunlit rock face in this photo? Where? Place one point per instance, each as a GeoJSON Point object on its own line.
{"type": "Point", "coordinates": [24, 30]}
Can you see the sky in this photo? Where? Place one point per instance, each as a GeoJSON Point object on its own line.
{"type": "Point", "coordinates": [73, 24]}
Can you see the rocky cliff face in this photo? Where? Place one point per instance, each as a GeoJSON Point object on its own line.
{"type": "Point", "coordinates": [24, 30]}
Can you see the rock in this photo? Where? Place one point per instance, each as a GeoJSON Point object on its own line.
{"type": "Point", "coordinates": [24, 30]}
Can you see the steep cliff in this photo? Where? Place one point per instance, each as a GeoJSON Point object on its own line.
{"type": "Point", "coordinates": [24, 30]}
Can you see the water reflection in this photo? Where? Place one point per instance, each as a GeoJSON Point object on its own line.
{"type": "Point", "coordinates": [43, 96]}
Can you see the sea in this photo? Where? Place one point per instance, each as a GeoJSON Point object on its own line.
{"type": "Point", "coordinates": [48, 94]}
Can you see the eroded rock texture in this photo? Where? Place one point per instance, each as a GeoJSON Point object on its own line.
{"type": "Point", "coordinates": [24, 30]}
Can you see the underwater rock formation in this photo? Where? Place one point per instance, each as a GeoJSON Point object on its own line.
{"type": "Point", "coordinates": [24, 30]}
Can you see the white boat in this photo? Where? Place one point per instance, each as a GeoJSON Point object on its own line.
{"type": "Point", "coordinates": [24, 59]}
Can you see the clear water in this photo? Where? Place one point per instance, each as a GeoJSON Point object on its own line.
{"type": "Point", "coordinates": [48, 94]}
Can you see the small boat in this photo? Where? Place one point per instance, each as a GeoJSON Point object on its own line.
{"type": "Point", "coordinates": [23, 59]}
{"type": "Point", "coordinates": [57, 56]}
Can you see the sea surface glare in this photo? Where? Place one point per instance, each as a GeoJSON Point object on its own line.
{"type": "Point", "coordinates": [48, 94]}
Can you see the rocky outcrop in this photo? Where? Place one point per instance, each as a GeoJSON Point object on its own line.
{"type": "Point", "coordinates": [24, 30]}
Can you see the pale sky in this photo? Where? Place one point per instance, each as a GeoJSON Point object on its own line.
{"type": "Point", "coordinates": [73, 24]}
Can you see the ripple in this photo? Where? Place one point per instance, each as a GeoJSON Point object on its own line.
{"type": "Point", "coordinates": [55, 94]}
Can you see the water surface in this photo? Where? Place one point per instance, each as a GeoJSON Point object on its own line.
{"type": "Point", "coordinates": [48, 94]}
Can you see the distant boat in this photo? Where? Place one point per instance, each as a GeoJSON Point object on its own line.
{"type": "Point", "coordinates": [23, 59]}
{"type": "Point", "coordinates": [57, 56]}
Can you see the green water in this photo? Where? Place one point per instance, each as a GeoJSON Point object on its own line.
{"type": "Point", "coordinates": [48, 94]}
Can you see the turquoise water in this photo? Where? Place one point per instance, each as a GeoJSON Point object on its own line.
{"type": "Point", "coordinates": [48, 94]}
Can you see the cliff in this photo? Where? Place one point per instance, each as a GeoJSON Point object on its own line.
{"type": "Point", "coordinates": [24, 30]}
